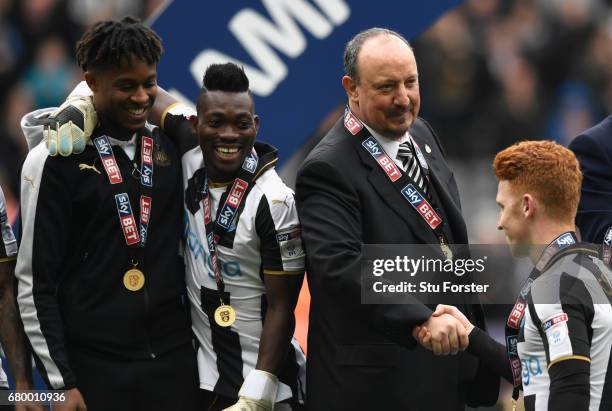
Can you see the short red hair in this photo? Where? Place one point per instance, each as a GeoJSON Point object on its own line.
{"type": "Point", "coordinates": [545, 169]}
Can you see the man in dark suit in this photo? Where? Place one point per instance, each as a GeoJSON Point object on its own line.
{"type": "Point", "coordinates": [362, 356]}
{"type": "Point", "coordinates": [593, 148]}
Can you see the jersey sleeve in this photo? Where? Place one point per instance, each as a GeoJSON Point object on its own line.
{"type": "Point", "coordinates": [8, 245]}
{"type": "Point", "coordinates": [45, 214]}
{"type": "Point", "coordinates": [176, 122]}
{"type": "Point", "coordinates": [565, 324]}
{"type": "Point", "coordinates": [280, 234]}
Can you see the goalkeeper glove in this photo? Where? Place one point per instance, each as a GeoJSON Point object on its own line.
{"type": "Point", "coordinates": [70, 126]}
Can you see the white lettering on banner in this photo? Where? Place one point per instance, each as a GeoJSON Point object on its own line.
{"type": "Point", "coordinates": [258, 35]}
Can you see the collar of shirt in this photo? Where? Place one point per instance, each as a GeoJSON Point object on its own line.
{"type": "Point", "coordinates": [129, 146]}
{"type": "Point", "coordinates": [391, 146]}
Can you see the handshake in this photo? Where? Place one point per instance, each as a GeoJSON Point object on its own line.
{"type": "Point", "coordinates": [445, 332]}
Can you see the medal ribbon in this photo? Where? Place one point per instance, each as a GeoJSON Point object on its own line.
{"type": "Point", "coordinates": [226, 212]}
{"type": "Point", "coordinates": [401, 180]}
{"type": "Point", "coordinates": [515, 319]}
{"type": "Point", "coordinates": [133, 235]}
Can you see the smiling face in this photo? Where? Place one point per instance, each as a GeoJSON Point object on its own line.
{"type": "Point", "coordinates": [386, 96]}
{"type": "Point", "coordinates": [124, 95]}
{"type": "Point", "coordinates": [227, 128]}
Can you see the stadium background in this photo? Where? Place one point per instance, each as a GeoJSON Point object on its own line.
{"type": "Point", "coordinates": [492, 72]}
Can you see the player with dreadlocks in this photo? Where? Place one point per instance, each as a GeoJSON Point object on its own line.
{"type": "Point", "coordinates": [101, 283]}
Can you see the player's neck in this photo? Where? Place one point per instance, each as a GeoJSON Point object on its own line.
{"type": "Point", "coordinates": [114, 130]}
{"type": "Point", "coordinates": [544, 234]}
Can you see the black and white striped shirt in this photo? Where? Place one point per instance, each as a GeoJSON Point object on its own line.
{"type": "Point", "coordinates": [266, 240]}
{"type": "Point", "coordinates": [569, 317]}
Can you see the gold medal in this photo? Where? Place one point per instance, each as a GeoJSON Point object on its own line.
{"type": "Point", "coordinates": [446, 251]}
{"type": "Point", "coordinates": [133, 279]}
{"type": "Point", "coordinates": [225, 315]}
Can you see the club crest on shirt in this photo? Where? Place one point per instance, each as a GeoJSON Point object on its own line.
{"type": "Point", "coordinates": [290, 243]}
{"type": "Point", "coordinates": [160, 157]}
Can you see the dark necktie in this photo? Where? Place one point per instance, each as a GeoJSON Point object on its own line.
{"type": "Point", "coordinates": [406, 155]}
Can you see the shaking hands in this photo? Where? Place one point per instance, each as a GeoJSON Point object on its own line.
{"type": "Point", "coordinates": [445, 332]}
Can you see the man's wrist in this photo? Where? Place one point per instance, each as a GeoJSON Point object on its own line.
{"type": "Point", "coordinates": [260, 385]}
{"type": "Point", "coordinates": [23, 384]}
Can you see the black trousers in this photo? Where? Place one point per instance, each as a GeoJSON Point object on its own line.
{"type": "Point", "coordinates": [166, 383]}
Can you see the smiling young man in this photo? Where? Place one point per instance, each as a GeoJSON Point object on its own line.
{"type": "Point", "coordinates": [101, 283]}
{"type": "Point", "coordinates": [243, 249]}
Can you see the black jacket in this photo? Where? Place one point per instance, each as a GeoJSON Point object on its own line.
{"type": "Point", "coordinates": [74, 255]}
{"type": "Point", "coordinates": [363, 357]}
{"type": "Point", "coordinates": [593, 148]}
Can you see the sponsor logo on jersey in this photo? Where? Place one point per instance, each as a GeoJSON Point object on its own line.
{"type": "Point", "coordinates": [608, 237]}
{"type": "Point", "coordinates": [231, 204]}
{"type": "Point", "coordinates": [422, 206]}
{"type": "Point", "coordinates": [388, 166]}
{"type": "Point", "coordinates": [558, 318]}
{"type": "Point", "coordinates": [531, 367]}
{"type": "Point", "coordinates": [128, 224]}
{"type": "Point", "coordinates": [352, 123]}
{"type": "Point", "coordinates": [194, 246]}
{"type": "Point", "coordinates": [514, 320]}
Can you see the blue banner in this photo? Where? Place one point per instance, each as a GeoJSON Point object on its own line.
{"type": "Point", "coordinates": [291, 51]}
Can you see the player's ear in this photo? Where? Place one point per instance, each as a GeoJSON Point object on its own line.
{"type": "Point", "coordinates": [91, 80]}
{"type": "Point", "coordinates": [256, 122]}
{"type": "Point", "coordinates": [529, 205]}
{"type": "Point", "coordinates": [350, 86]}
{"type": "Point", "coordinates": [193, 120]}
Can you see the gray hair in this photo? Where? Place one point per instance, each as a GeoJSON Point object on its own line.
{"type": "Point", "coordinates": [353, 47]}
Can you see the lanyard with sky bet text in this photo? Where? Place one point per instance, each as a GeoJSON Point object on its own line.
{"type": "Point", "coordinates": [401, 181]}
{"type": "Point", "coordinates": [229, 204]}
{"type": "Point", "coordinates": [135, 237]}
{"type": "Point", "coordinates": [516, 317]}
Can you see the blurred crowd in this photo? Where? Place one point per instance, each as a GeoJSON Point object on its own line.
{"type": "Point", "coordinates": [491, 71]}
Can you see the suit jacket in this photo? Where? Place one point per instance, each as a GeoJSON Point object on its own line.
{"type": "Point", "coordinates": [593, 148]}
{"type": "Point", "coordinates": [363, 357]}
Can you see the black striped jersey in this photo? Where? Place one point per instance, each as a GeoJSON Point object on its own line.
{"type": "Point", "coordinates": [264, 238]}
{"type": "Point", "coordinates": [569, 316]}
{"type": "Point", "coordinates": [8, 252]}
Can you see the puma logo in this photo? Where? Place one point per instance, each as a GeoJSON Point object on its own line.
{"type": "Point", "coordinates": [281, 202]}
{"type": "Point", "coordinates": [84, 166]}
{"type": "Point", "coordinates": [29, 180]}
